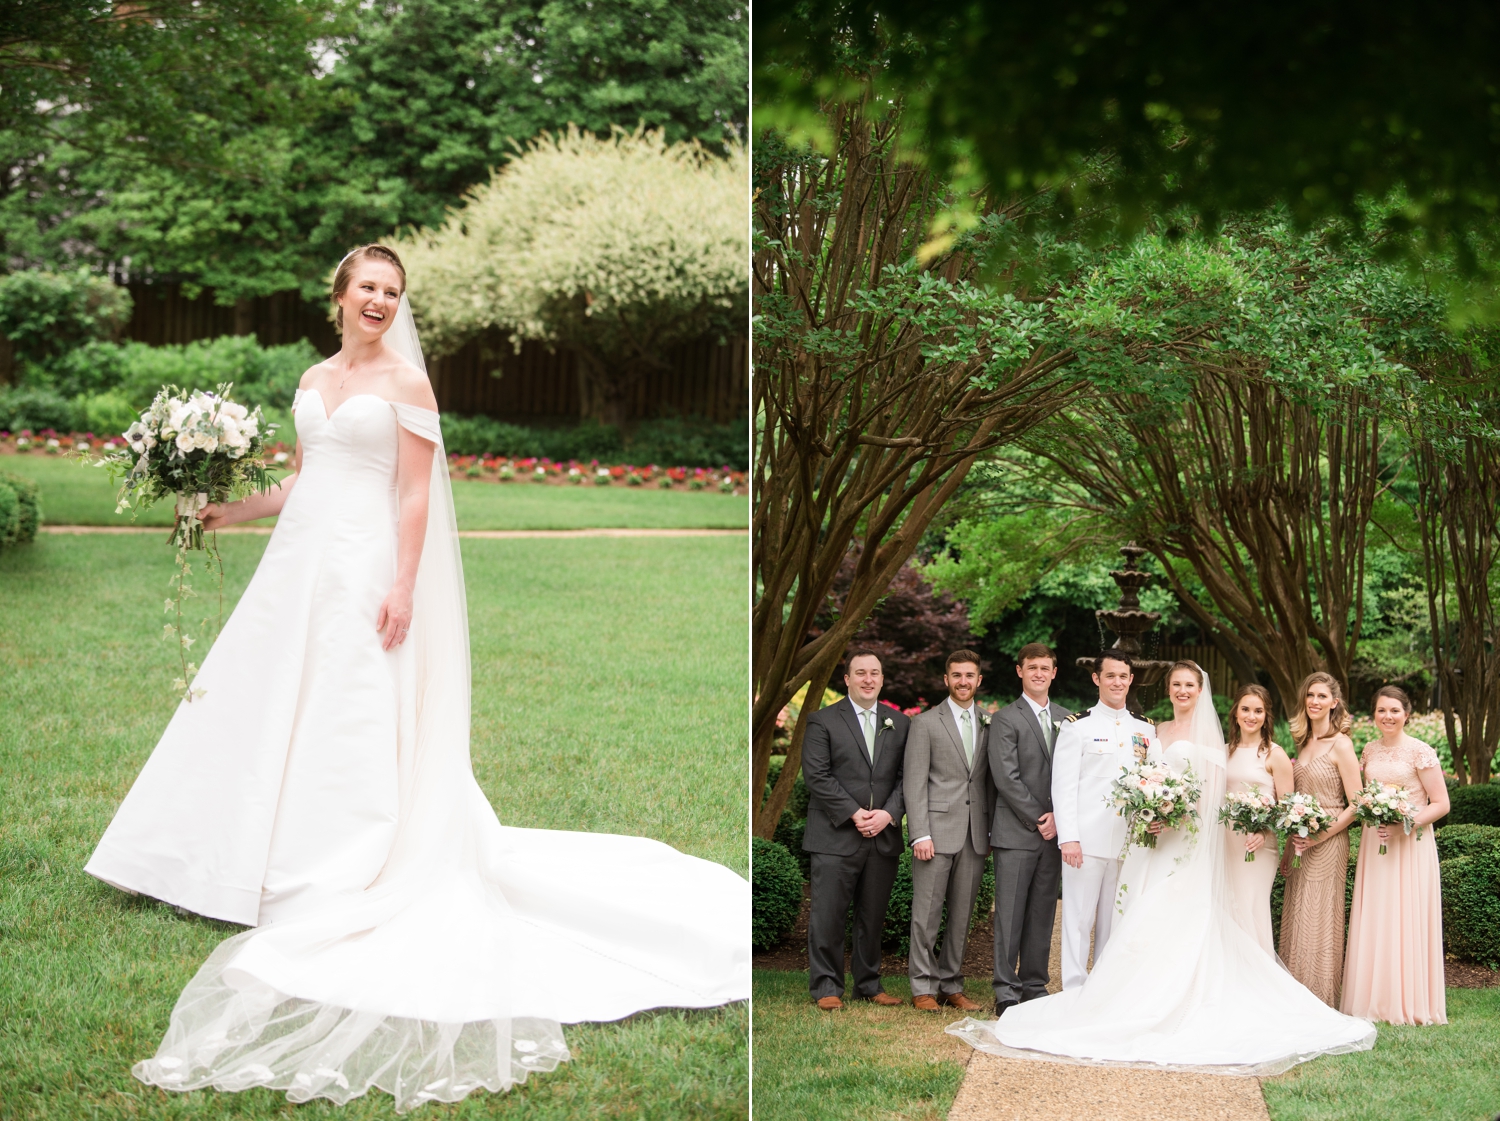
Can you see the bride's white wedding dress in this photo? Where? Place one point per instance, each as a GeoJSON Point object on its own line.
{"type": "Point", "coordinates": [321, 792]}
{"type": "Point", "coordinates": [1180, 985]}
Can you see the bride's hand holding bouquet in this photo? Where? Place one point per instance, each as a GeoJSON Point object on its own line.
{"type": "Point", "coordinates": [1152, 798]}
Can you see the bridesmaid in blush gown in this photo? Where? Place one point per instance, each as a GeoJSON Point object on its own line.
{"type": "Point", "coordinates": [1255, 764]}
{"type": "Point", "coordinates": [1395, 967]}
{"type": "Point", "coordinates": [1312, 917]}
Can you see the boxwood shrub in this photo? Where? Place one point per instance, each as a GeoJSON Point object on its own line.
{"type": "Point", "coordinates": [20, 510]}
{"type": "Point", "coordinates": [775, 893]}
{"type": "Point", "coordinates": [1473, 805]}
{"type": "Point", "coordinates": [1471, 906]}
{"type": "Point", "coordinates": [1465, 840]}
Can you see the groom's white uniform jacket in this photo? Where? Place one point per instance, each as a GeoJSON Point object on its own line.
{"type": "Point", "coordinates": [1091, 748]}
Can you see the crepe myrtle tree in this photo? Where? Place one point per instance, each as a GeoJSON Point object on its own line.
{"type": "Point", "coordinates": [619, 248]}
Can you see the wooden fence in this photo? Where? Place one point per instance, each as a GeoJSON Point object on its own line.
{"type": "Point", "coordinates": [703, 378]}
{"type": "Point", "coordinates": [1221, 677]}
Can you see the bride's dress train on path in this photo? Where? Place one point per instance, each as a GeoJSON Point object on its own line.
{"type": "Point", "coordinates": [321, 792]}
{"type": "Point", "coordinates": [1180, 985]}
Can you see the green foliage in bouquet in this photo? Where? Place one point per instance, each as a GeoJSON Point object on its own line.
{"type": "Point", "coordinates": [197, 448]}
{"type": "Point", "coordinates": [20, 510]}
{"type": "Point", "coordinates": [775, 891]}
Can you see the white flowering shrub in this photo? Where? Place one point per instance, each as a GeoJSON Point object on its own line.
{"type": "Point", "coordinates": [619, 248]}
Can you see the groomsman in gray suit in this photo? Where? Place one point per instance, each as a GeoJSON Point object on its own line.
{"type": "Point", "coordinates": [852, 754]}
{"type": "Point", "coordinates": [947, 811]}
{"type": "Point", "coordinates": [1028, 864]}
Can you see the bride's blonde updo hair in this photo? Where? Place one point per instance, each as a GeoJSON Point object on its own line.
{"type": "Point", "coordinates": [1339, 718]}
{"type": "Point", "coordinates": [1192, 667]}
{"type": "Point", "coordinates": [345, 272]}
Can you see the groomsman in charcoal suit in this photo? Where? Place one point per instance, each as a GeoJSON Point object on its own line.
{"type": "Point", "coordinates": [851, 762]}
{"type": "Point", "coordinates": [947, 811]}
{"type": "Point", "coordinates": [1023, 832]}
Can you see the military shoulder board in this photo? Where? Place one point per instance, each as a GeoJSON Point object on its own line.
{"type": "Point", "coordinates": [1144, 719]}
{"type": "Point", "coordinates": [1076, 716]}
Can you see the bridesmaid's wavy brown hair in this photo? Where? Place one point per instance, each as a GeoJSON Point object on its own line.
{"type": "Point", "coordinates": [1339, 718]}
{"type": "Point", "coordinates": [345, 272]}
{"type": "Point", "coordinates": [1233, 739]}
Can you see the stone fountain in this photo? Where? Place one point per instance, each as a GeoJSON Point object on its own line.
{"type": "Point", "coordinates": [1129, 623]}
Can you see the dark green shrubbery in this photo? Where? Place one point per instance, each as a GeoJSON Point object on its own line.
{"type": "Point", "coordinates": [1471, 906]}
{"type": "Point", "coordinates": [673, 442]}
{"type": "Point", "coordinates": [1465, 840]}
{"type": "Point", "coordinates": [775, 893]}
{"type": "Point", "coordinates": [1473, 805]}
{"type": "Point", "coordinates": [20, 510]}
{"type": "Point", "coordinates": [38, 408]}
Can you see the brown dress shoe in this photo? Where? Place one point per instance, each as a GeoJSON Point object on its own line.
{"type": "Point", "coordinates": [926, 1003]}
{"type": "Point", "coordinates": [830, 1003]}
{"type": "Point", "coordinates": [885, 1000]}
{"type": "Point", "coordinates": [962, 1003]}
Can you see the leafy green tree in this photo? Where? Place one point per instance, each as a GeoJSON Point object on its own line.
{"type": "Point", "coordinates": [1211, 107]}
{"type": "Point", "coordinates": [619, 248]}
{"type": "Point", "coordinates": [370, 119]}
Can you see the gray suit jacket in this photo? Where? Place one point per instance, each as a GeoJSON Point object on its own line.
{"type": "Point", "coordinates": [840, 778]}
{"type": "Point", "coordinates": [946, 799]}
{"type": "Point", "coordinates": [1021, 769]}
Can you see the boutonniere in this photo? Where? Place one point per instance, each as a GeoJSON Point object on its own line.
{"type": "Point", "coordinates": [889, 723]}
{"type": "Point", "coordinates": [985, 720]}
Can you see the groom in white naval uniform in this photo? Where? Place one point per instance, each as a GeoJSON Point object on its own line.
{"type": "Point", "coordinates": [1091, 748]}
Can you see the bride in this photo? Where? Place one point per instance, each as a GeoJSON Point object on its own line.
{"type": "Point", "coordinates": [1180, 984]}
{"type": "Point", "coordinates": [320, 792]}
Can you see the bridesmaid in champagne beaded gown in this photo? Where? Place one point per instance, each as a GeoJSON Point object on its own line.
{"type": "Point", "coordinates": [1395, 971]}
{"type": "Point", "coordinates": [1255, 763]}
{"type": "Point", "coordinates": [1312, 918]}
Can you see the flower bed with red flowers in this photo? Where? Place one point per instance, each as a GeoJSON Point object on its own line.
{"type": "Point", "coordinates": [492, 469]}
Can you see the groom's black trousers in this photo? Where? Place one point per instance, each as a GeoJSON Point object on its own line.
{"type": "Point", "coordinates": [863, 878]}
{"type": "Point", "coordinates": [1026, 883]}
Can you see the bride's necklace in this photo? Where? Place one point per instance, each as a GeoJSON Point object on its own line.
{"type": "Point", "coordinates": [349, 372]}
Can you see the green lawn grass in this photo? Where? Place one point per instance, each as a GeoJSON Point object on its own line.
{"type": "Point", "coordinates": [1450, 1072]}
{"type": "Point", "coordinates": [608, 695]}
{"type": "Point", "coordinates": [852, 1065]}
{"type": "Point", "coordinates": [76, 494]}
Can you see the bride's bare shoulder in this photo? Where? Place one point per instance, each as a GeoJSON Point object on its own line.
{"type": "Point", "coordinates": [410, 386]}
{"type": "Point", "coordinates": [313, 375]}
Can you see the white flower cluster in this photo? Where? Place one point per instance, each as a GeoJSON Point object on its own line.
{"type": "Point", "coordinates": [200, 421]}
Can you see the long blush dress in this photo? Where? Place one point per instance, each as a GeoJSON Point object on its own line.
{"type": "Point", "coordinates": [1395, 967]}
{"type": "Point", "coordinates": [1312, 917]}
{"type": "Point", "coordinates": [1250, 880]}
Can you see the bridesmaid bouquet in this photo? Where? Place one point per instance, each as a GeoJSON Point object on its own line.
{"type": "Point", "coordinates": [1249, 812]}
{"type": "Point", "coordinates": [1147, 792]}
{"type": "Point", "coordinates": [195, 448]}
{"type": "Point", "coordinates": [1301, 814]}
{"type": "Point", "coordinates": [1384, 803]}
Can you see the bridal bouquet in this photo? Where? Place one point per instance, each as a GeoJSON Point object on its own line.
{"type": "Point", "coordinates": [195, 448]}
{"type": "Point", "coordinates": [1384, 803]}
{"type": "Point", "coordinates": [1249, 812]}
{"type": "Point", "coordinates": [1301, 814]}
{"type": "Point", "coordinates": [1148, 792]}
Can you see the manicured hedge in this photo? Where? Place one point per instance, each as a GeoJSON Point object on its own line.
{"type": "Point", "coordinates": [1471, 906]}
{"type": "Point", "coordinates": [1465, 840]}
{"type": "Point", "coordinates": [666, 442]}
{"type": "Point", "coordinates": [775, 893]}
{"type": "Point", "coordinates": [20, 510]}
{"type": "Point", "coordinates": [1473, 805]}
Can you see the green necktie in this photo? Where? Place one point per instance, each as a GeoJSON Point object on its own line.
{"type": "Point", "coordinates": [1049, 730]}
{"type": "Point", "coordinates": [966, 729]}
{"type": "Point", "coordinates": [867, 720]}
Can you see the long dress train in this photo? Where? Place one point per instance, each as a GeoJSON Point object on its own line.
{"type": "Point", "coordinates": [321, 792]}
{"type": "Point", "coordinates": [1180, 985]}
